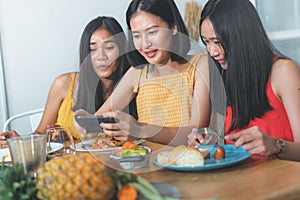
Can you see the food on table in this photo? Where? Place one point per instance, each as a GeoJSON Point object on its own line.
{"type": "Point", "coordinates": [181, 156]}
{"type": "Point", "coordinates": [132, 186]}
{"type": "Point", "coordinates": [133, 151]}
{"type": "Point", "coordinates": [127, 192]}
{"type": "Point", "coordinates": [130, 149]}
{"type": "Point", "coordinates": [129, 144]}
{"type": "Point", "coordinates": [219, 153]}
{"type": "Point", "coordinates": [75, 177]}
{"type": "Point", "coordinates": [105, 141]}
{"type": "Point", "coordinates": [132, 156]}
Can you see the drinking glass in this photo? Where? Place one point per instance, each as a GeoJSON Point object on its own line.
{"type": "Point", "coordinates": [28, 151]}
{"type": "Point", "coordinates": [206, 136]}
{"type": "Point", "coordinates": [59, 142]}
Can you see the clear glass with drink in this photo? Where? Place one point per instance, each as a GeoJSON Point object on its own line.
{"type": "Point", "coordinates": [28, 151]}
{"type": "Point", "coordinates": [59, 142]}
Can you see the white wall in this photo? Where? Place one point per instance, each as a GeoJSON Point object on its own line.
{"type": "Point", "coordinates": [40, 40]}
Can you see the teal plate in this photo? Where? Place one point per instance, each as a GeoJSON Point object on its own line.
{"type": "Point", "coordinates": [232, 156]}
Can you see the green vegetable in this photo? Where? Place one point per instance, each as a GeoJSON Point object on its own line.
{"type": "Point", "coordinates": [144, 187]}
{"type": "Point", "coordinates": [135, 151]}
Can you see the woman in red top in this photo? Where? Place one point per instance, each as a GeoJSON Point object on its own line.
{"type": "Point", "coordinates": [262, 86]}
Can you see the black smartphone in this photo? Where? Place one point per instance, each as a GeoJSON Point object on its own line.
{"type": "Point", "coordinates": [92, 123]}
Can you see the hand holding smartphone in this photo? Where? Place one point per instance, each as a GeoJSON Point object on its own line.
{"type": "Point", "coordinates": [92, 123]}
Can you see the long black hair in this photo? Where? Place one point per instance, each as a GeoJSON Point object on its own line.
{"type": "Point", "coordinates": [249, 54]}
{"type": "Point", "coordinates": [90, 92]}
{"type": "Point", "coordinates": [167, 11]}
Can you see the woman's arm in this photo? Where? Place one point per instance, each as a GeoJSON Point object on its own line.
{"type": "Point", "coordinates": [285, 79]}
{"type": "Point", "coordinates": [56, 95]}
{"type": "Point", "coordinates": [122, 94]}
{"type": "Point", "coordinates": [172, 135]}
{"type": "Point", "coordinates": [201, 108]}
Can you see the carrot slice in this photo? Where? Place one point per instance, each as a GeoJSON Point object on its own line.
{"type": "Point", "coordinates": [127, 192]}
{"type": "Point", "coordinates": [129, 144]}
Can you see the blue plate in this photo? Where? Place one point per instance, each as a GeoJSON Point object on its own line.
{"type": "Point", "coordinates": [232, 156]}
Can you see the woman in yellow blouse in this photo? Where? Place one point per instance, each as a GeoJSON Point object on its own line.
{"type": "Point", "coordinates": [102, 64]}
{"type": "Point", "coordinates": [171, 87]}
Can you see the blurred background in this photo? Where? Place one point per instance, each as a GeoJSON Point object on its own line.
{"type": "Point", "coordinates": [40, 40]}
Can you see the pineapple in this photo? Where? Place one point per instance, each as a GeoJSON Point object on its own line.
{"type": "Point", "coordinates": [75, 177]}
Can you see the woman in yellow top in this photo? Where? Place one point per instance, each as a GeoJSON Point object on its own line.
{"type": "Point", "coordinates": [171, 87]}
{"type": "Point", "coordinates": [102, 64]}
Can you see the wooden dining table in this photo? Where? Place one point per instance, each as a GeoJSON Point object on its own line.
{"type": "Point", "coordinates": [254, 178]}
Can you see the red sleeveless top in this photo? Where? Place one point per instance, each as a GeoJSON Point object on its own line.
{"type": "Point", "coordinates": [274, 122]}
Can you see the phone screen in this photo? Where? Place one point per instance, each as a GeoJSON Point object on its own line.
{"type": "Point", "coordinates": [92, 123]}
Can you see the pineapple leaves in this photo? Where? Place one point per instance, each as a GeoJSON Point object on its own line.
{"type": "Point", "coordinates": [15, 185]}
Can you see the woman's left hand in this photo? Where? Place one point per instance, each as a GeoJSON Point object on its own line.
{"type": "Point", "coordinates": [126, 125]}
{"type": "Point", "coordinates": [254, 140]}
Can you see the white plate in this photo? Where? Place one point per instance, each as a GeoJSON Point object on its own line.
{"type": "Point", "coordinates": [86, 146]}
{"type": "Point", "coordinates": [55, 147]}
{"type": "Point", "coordinates": [4, 152]}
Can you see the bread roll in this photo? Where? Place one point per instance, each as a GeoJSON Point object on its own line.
{"type": "Point", "coordinates": [181, 156]}
{"type": "Point", "coordinates": [164, 157]}
{"type": "Point", "coordinates": [190, 156]}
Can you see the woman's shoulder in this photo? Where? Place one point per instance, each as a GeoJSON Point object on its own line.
{"type": "Point", "coordinates": [282, 67]}
{"type": "Point", "coordinates": [284, 71]}
{"type": "Point", "coordinates": [198, 58]}
{"type": "Point", "coordinates": [202, 67]}
{"type": "Point", "coordinates": [200, 61]}
{"type": "Point", "coordinates": [63, 80]}
{"type": "Point", "coordinates": [201, 55]}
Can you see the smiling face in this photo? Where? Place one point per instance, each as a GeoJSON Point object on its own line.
{"type": "Point", "coordinates": [152, 37]}
{"type": "Point", "coordinates": [104, 53]}
{"type": "Point", "coordinates": [212, 43]}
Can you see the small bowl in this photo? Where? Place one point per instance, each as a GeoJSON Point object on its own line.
{"type": "Point", "coordinates": [132, 162]}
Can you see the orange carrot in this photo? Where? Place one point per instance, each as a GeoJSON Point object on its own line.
{"type": "Point", "coordinates": [127, 192]}
{"type": "Point", "coordinates": [129, 144]}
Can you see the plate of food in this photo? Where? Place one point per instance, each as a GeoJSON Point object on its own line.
{"type": "Point", "coordinates": [103, 143]}
{"type": "Point", "coordinates": [5, 154]}
{"type": "Point", "coordinates": [200, 158]}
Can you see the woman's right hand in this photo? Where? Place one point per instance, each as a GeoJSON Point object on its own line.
{"type": "Point", "coordinates": [195, 139]}
{"type": "Point", "coordinates": [7, 135]}
{"type": "Point", "coordinates": [125, 126]}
